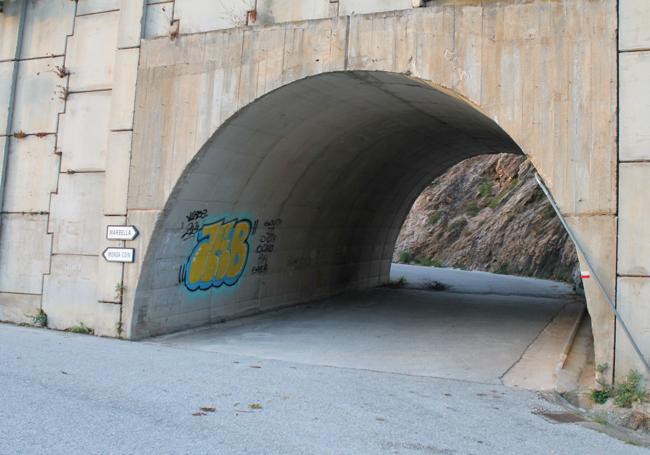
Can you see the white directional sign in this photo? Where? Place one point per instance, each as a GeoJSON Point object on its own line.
{"type": "Point", "coordinates": [119, 254]}
{"type": "Point", "coordinates": [121, 232]}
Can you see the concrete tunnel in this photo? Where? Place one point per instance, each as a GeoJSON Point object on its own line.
{"type": "Point", "coordinates": [312, 182]}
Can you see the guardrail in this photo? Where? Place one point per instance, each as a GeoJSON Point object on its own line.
{"type": "Point", "coordinates": [592, 271]}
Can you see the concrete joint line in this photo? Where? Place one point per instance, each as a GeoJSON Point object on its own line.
{"type": "Point", "coordinates": [631, 51]}
{"type": "Point", "coordinates": [96, 13]}
{"type": "Point", "coordinates": [74, 92]}
{"type": "Point", "coordinates": [110, 301]}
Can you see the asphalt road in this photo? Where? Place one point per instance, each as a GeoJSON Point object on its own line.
{"type": "Point", "coordinates": [63, 393]}
{"type": "Point", "coordinates": [476, 336]}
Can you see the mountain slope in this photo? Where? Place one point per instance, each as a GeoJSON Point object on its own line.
{"type": "Point", "coordinates": [487, 213]}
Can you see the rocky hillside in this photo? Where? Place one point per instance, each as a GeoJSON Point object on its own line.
{"type": "Point", "coordinates": [487, 213]}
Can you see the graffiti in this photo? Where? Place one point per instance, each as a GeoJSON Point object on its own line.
{"type": "Point", "coordinates": [220, 254]}
{"type": "Point", "coordinates": [192, 226]}
{"type": "Point", "coordinates": [266, 245]}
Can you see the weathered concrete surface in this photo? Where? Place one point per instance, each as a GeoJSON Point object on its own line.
{"type": "Point", "coordinates": [493, 57]}
{"type": "Point", "coordinates": [635, 106]}
{"type": "Point", "coordinates": [152, 390]}
{"type": "Point", "coordinates": [633, 297]}
{"type": "Point", "coordinates": [31, 156]}
{"type": "Point", "coordinates": [634, 16]}
{"type": "Point", "coordinates": [515, 62]}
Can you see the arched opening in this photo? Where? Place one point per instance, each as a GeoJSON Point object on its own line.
{"type": "Point", "coordinates": [301, 195]}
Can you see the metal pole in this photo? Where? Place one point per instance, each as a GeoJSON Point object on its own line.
{"type": "Point", "coordinates": [585, 256]}
{"type": "Point", "coordinates": [10, 111]}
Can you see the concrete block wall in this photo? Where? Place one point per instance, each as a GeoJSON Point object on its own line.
{"type": "Point", "coordinates": [633, 270]}
{"type": "Point", "coordinates": [33, 38]}
{"type": "Point", "coordinates": [68, 156]}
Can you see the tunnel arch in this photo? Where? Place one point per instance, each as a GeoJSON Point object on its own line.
{"type": "Point", "coordinates": [312, 182]}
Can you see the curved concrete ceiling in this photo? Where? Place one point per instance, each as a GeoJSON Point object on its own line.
{"type": "Point", "coordinates": [339, 158]}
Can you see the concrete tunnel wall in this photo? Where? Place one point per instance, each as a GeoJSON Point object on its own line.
{"type": "Point", "coordinates": [516, 61]}
{"type": "Point", "coordinates": [318, 177]}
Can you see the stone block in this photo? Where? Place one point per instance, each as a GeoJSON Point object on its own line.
{"type": "Point", "coordinates": [206, 15]}
{"type": "Point", "coordinates": [90, 52]}
{"type": "Point", "coordinates": [117, 172]}
{"type": "Point", "coordinates": [349, 7]}
{"type": "Point", "coordinates": [70, 296]}
{"type": "Point", "coordinates": [19, 308]}
{"type": "Point", "coordinates": [634, 106]}
{"type": "Point", "coordinates": [96, 6]}
{"type": "Point", "coordinates": [76, 214]}
{"type": "Point", "coordinates": [634, 31]}
{"type": "Point", "coordinates": [24, 253]}
{"type": "Point", "coordinates": [158, 18]}
{"type": "Point", "coordinates": [83, 131]}
{"type": "Point", "coordinates": [32, 174]}
{"type": "Point", "coordinates": [278, 11]}
{"type": "Point", "coordinates": [38, 96]}
{"type": "Point", "coordinates": [633, 297]}
{"type": "Point", "coordinates": [633, 248]}
{"type": "Point", "coordinates": [9, 20]}
{"type": "Point", "coordinates": [131, 23]}
{"type": "Point", "coordinates": [123, 93]}
{"type": "Point", "coordinates": [46, 26]}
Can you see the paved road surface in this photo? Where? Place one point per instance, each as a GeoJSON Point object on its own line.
{"type": "Point", "coordinates": [476, 336]}
{"type": "Point", "coordinates": [63, 393]}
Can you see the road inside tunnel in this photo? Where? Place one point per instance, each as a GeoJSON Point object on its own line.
{"type": "Point", "coordinates": [476, 329]}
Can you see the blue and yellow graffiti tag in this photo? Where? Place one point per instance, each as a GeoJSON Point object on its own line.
{"type": "Point", "coordinates": [219, 256]}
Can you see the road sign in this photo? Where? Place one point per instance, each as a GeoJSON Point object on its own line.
{"type": "Point", "coordinates": [121, 232]}
{"type": "Point", "coordinates": [119, 254]}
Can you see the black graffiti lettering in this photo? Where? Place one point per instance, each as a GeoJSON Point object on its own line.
{"type": "Point", "coordinates": [191, 229]}
{"type": "Point", "coordinates": [197, 215]}
{"type": "Point", "coordinates": [266, 245]}
{"type": "Point", "coordinates": [264, 248]}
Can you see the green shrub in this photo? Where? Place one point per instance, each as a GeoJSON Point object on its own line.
{"type": "Point", "coordinates": [435, 218]}
{"type": "Point", "coordinates": [599, 396]}
{"type": "Point", "coordinates": [494, 203]}
{"type": "Point", "coordinates": [458, 225]}
{"type": "Point", "coordinates": [624, 394]}
{"type": "Point", "coordinates": [630, 391]}
{"type": "Point", "coordinates": [39, 319]}
{"type": "Point", "coordinates": [472, 209]}
{"type": "Point", "coordinates": [485, 189]}
{"type": "Point", "coordinates": [81, 328]}
{"type": "Point", "coordinates": [405, 257]}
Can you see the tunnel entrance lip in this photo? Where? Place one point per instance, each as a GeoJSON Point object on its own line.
{"type": "Point", "coordinates": [323, 170]}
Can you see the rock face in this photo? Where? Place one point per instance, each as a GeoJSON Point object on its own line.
{"type": "Point", "coordinates": [487, 213]}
